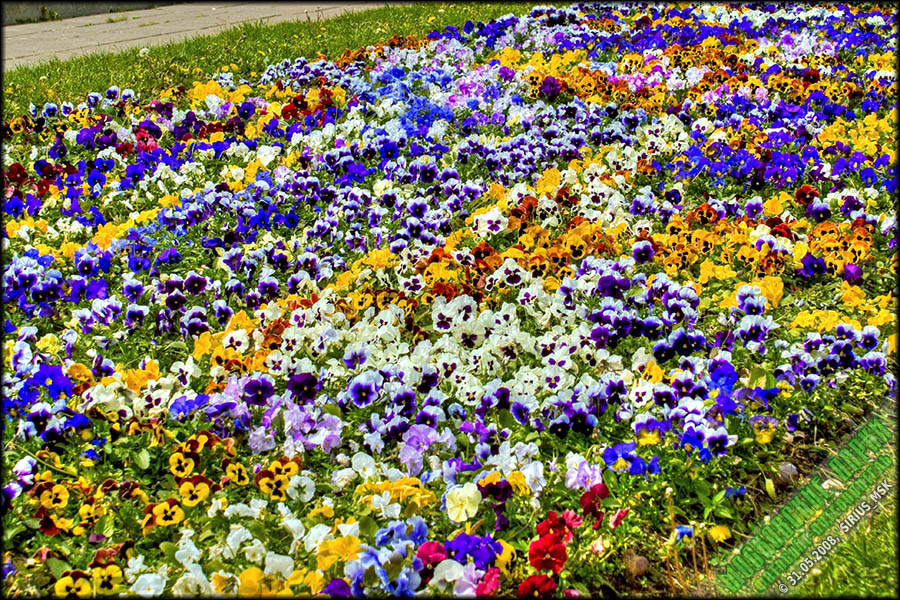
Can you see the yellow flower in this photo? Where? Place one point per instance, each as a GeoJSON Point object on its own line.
{"type": "Point", "coordinates": [883, 316]}
{"type": "Point", "coordinates": [237, 473]}
{"type": "Point", "coordinates": [167, 513]}
{"type": "Point", "coordinates": [224, 583]}
{"type": "Point", "coordinates": [764, 434]}
{"type": "Point", "coordinates": [506, 556]}
{"type": "Point", "coordinates": [107, 579]}
{"type": "Point", "coordinates": [490, 478]}
{"type": "Point", "coordinates": [316, 581]}
{"type": "Point", "coordinates": [549, 182]}
{"type": "Point", "coordinates": [276, 486]}
{"type": "Point", "coordinates": [772, 288]}
{"type": "Point", "coordinates": [251, 582]}
{"type": "Point", "coordinates": [192, 493]}
{"type": "Point", "coordinates": [80, 372]}
{"type": "Point", "coordinates": [55, 498]}
{"type": "Point", "coordinates": [181, 465]}
{"type": "Point", "coordinates": [68, 249]}
{"type": "Point", "coordinates": [520, 485]}
{"type": "Point", "coordinates": [773, 206]}
{"type": "Point", "coordinates": [49, 343]}
{"type": "Point", "coordinates": [652, 372]}
{"type": "Point", "coordinates": [345, 548]}
{"type": "Point", "coordinates": [67, 586]}
{"type": "Point", "coordinates": [853, 295]}
{"type": "Point", "coordinates": [379, 259]}
{"type": "Point", "coordinates": [719, 533]}
{"type": "Point", "coordinates": [345, 279]}
{"type": "Point", "coordinates": [106, 235]}
{"type": "Point", "coordinates": [647, 436]}
{"type": "Point", "coordinates": [326, 510]}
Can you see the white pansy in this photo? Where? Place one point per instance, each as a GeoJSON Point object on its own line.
{"type": "Point", "coordinates": [149, 585]}
{"type": "Point", "coordinates": [318, 534]}
{"type": "Point", "coordinates": [238, 535]}
{"type": "Point", "coordinates": [279, 564]}
{"type": "Point", "coordinates": [255, 551]}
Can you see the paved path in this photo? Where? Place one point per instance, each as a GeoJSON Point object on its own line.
{"type": "Point", "coordinates": [32, 43]}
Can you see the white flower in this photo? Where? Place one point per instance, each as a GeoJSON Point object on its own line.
{"type": "Point", "coordinates": [382, 503]}
{"type": "Point", "coordinates": [135, 566]}
{"type": "Point", "coordinates": [187, 552]}
{"type": "Point", "coordinates": [534, 476]}
{"type": "Point", "coordinates": [297, 529]}
{"type": "Point", "coordinates": [265, 154]}
{"type": "Point", "coordinates": [149, 585]}
{"type": "Point", "coordinates": [279, 564]}
{"type": "Point", "coordinates": [239, 509]}
{"type": "Point", "coordinates": [364, 465]}
{"type": "Point", "coordinates": [349, 529]}
{"type": "Point", "coordinates": [342, 477]}
{"type": "Point", "coordinates": [462, 502]}
{"type": "Point", "coordinates": [258, 505]}
{"type": "Point", "coordinates": [192, 583]}
{"type": "Point", "coordinates": [304, 483]}
{"type": "Point", "coordinates": [238, 535]}
{"type": "Point", "coordinates": [255, 552]}
{"type": "Point", "coordinates": [447, 571]}
{"type": "Point", "coordinates": [215, 506]}
{"type": "Point", "coordinates": [318, 534]}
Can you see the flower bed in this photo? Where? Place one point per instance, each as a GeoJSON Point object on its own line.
{"type": "Point", "coordinates": [518, 307]}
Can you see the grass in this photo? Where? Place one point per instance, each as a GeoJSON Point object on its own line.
{"type": "Point", "coordinates": [865, 565]}
{"type": "Point", "coordinates": [246, 50]}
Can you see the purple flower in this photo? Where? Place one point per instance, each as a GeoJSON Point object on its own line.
{"type": "Point", "coordinates": [261, 440]}
{"type": "Point", "coordinates": [550, 87]}
{"type": "Point", "coordinates": [642, 252]}
{"type": "Point", "coordinates": [852, 274]}
{"type": "Point", "coordinates": [812, 266]}
{"type": "Point", "coordinates": [416, 440]}
{"type": "Point", "coordinates": [258, 390]}
{"type": "Point", "coordinates": [303, 386]}
{"type": "Point", "coordinates": [364, 388]}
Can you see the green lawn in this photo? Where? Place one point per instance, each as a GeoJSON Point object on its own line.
{"type": "Point", "coordinates": [865, 565]}
{"type": "Point", "coordinates": [247, 50]}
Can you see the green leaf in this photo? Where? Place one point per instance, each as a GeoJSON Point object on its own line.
{"type": "Point", "coordinates": [770, 488]}
{"type": "Point", "coordinates": [168, 549]}
{"type": "Point", "coordinates": [508, 420]}
{"type": "Point", "coordinates": [57, 567]}
{"type": "Point", "coordinates": [257, 529]}
{"type": "Point", "coordinates": [724, 512]}
{"type": "Point", "coordinates": [367, 526]}
{"type": "Point", "coordinates": [107, 525]}
{"type": "Point", "coordinates": [718, 497]}
{"type": "Point", "coordinates": [142, 459]}
{"type": "Point", "coordinates": [757, 377]}
{"type": "Point", "coordinates": [13, 531]}
{"type": "Point", "coordinates": [214, 565]}
{"type": "Point", "coordinates": [332, 409]}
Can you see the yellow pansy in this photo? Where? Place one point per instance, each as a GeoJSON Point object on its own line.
{"type": "Point", "coordinates": [345, 548]}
